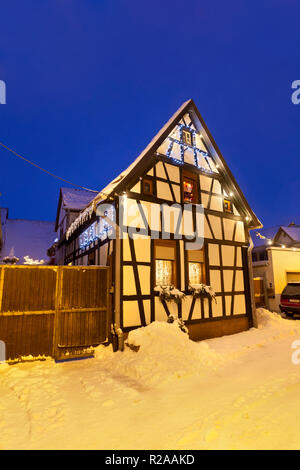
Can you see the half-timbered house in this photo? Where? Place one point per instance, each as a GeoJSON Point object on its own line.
{"type": "Point", "coordinates": [181, 165]}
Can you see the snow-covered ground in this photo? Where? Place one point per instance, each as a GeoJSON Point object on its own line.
{"type": "Point", "coordinates": [236, 392]}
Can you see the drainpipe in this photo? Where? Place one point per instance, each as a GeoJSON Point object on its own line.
{"type": "Point", "coordinates": [120, 336]}
{"type": "Point", "coordinates": [250, 270]}
{"type": "Point", "coordinates": [114, 338]}
{"type": "Point", "coordinates": [117, 272]}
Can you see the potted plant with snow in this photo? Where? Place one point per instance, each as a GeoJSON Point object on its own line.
{"type": "Point", "coordinates": [202, 290]}
{"type": "Point", "coordinates": [169, 294]}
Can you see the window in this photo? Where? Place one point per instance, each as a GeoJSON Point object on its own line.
{"type": "Point", "coordinates": [196, 267]}
{"type": "Point", "coordinates": [227, 206]}
{"type": "Point", "coordinates": [92, 258]}
{"type": "Point", "coordinates": [165, 262]}
{"type": "Point", "coordinates": [190, 188]}
{"type": "Point", "coordinates": [164, 272]}
{"type": "Point", "coordinates": [147, 186]}
{"type": "Point", "coordinates": [187, 137]}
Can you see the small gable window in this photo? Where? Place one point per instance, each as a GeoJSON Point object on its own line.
{"type": "Point", "coordinates": [187, 137]}
{"type": "Point", "coordinates": [147, 186]}
{"type": "Point", "coordinates": [228, 206]}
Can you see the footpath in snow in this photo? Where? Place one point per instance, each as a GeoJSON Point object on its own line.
{"type": "Point", "coordinates": [236, 392]}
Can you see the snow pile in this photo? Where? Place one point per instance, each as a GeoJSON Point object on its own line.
{"type": "Point", "coordinates": [271, 328]}
{"type": "Point", "coordinates": [164, 352]}
{"type": "Point", "coordinates": [274, 325]}
{"type": "Point", "coordinates": [161, 351]}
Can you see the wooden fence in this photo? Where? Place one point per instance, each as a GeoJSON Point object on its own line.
{"type": "Point", "coordinates": [58, 311]}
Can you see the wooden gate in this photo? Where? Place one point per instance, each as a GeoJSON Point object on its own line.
{"type": "Point", "coordinates": [58, 311]}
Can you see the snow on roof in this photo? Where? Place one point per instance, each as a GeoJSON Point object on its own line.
{"type": "Point", "coordinates": [293, 232]}
{"type": "Point", "coordinates": [27, 238]}
{"type": "Point", "coordinates": [108, 190]}
{"type": "Point", "coordinates": [77, 199]}
{"type": "Point", "coordinates": [104, 194]}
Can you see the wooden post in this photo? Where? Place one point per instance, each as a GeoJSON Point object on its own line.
{"type": "Point", "coordinates": [58, 294]}
{"type": "Point", "coordinates": [2, 274]}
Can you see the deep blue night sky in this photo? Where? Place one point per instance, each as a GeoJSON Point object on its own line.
{"type": "Point", "coordinates": [89, 82]}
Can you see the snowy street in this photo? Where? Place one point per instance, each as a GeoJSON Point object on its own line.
{"type": "Point", "coordinates": [235, 392]}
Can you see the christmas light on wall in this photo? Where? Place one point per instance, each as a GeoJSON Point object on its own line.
{"type": "Point", "coordinates": [96, 231]}
{"type": "Point", "coordinates": [183, 146]}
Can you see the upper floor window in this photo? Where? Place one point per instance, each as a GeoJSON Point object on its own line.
{"type": "Point", "coordinates": [187, 137]}
{"type": "Point", "coordinates": [190, 188]}
{"type": "Point", "coordinates": [147, 186]}
{"type": "Point", "coordinates": [228, 206]}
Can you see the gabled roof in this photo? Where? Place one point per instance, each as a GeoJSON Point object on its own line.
{"type": "Point", "coordinates": [73, 199]}
{"type": "Point", "coordinates": [293, 232]}
{"type": "Point", "coordinates": [119, 184]}
{"type": "Point", "coordinates": [263, 236]}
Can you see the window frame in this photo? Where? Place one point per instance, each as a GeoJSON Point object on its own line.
{"type": "Point", "coordinates": [202, 263]}
{"type": "Point", "coordinates": [151, 183]}
{"type": "Point", "coordinates": [230, 210]}
{"type": "Point", "coordinates": [184, 133]}
{"type": "Point", "coordinates": [168, 244]}
{"type": "Point", "coordinates": [193, 178]}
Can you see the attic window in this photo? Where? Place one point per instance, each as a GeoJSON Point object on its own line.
{"type": "Point", "coordinates": [147, 186]}
{"type": "Point", "coordinates": [187, 137]}
{"type": "Point", "coordinates": [228, 206]}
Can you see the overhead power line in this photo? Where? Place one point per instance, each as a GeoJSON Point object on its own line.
{"type": "Point", "coordinates": [46, 171]}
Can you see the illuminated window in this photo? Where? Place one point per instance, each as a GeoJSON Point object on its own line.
{"type": "Point", "coordinates": [195, 273]}
{"type": "Point", "coordinates": [196, 267]}
{"type": "Point", "coordinates": [164, 272]}
{"type": "Point", "coordinates": [227, 206]}
{"type": "Point", "coordinates": [187, 137]}
{"type": "Point", "coordinates": [190, 190]}
{"type": "Point", "coordinates": [165, 264]}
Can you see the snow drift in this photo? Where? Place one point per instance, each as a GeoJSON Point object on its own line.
{"type": "Point", "coordinates": [165, 352]}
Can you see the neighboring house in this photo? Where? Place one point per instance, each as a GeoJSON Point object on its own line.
{"type": "Point", "coordinates": [276, 261]}
{"type": "Point", "coordinates": [24, 241]}
{"type": "Point", "coordinates": [71, 202]}
{"type": "Point", "coordinates": [181, 165]}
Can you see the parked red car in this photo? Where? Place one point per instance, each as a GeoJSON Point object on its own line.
{"type": "Point", "coordinates": [290, 299]}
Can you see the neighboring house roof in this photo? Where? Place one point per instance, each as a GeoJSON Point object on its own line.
{"type": "Point", "coordinates": [292, 232]}
{"type": "Point", "coordinates": [119, 184]}
{"type": "Point", "coordinates": [262, 236]}
{"type": "Point", "coordinates": [73, 199]}
{"type": "Point", "coordinates": [27, 238]}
